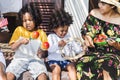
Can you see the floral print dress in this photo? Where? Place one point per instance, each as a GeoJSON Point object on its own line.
{"type": "Point", "coordinates": [103, 56]}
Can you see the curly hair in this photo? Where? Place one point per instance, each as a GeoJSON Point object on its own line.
{"type": "Point", "coordinates": [60, 17]}
{"type": "Point", "coordinates": [34, 12]}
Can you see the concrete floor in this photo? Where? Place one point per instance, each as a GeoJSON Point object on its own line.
{"type": "Point", "coordinates": [119, 78]}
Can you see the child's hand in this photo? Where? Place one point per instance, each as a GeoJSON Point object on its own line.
{"type": "Point", "coordinates": [61, 43]}
{"type": "Point", "coordinates": [42, 53]}
{"type": "Point", "coordinates": [19, 42]}
{"type": "Point", "coordinates": [24, 41]}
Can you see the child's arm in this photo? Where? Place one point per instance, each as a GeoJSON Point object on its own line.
{"type": "Point", "coordinates": [61, 43]}
{"type": "Point", "coordinates": [42, 53]}
{"type": "Point", "coordinates": [43, 36]}
{"type": "Point", "coordinates": [19, 42]}
{"type": "Point", "coordinates": [16, 39]}
{"type": "Point", "coordinates": [53, 43]}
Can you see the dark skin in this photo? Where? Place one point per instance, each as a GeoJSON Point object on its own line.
{"type": "Point", "coordinates": [111, 42]}
{"type": "Point", "coordinates": [29, 25]}
{"type": "Point", "coordinates": [105, 12]}
{"type": "Point", "coordinates": [2, 72]}
{"type": "Point", "coordinates": [42, 53]}
{"type": "Point", "coordinates": [61, 31]}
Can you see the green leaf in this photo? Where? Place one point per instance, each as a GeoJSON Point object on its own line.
{"type": "Point", "coordinates": [117, 39]}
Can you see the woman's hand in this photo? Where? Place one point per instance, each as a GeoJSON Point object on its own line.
{"type": "Point", "coordinates": [61, 43]}
{"type": "Point", "coordinates": [89, 41]}
{"type": "Point", "coordinates": [113, 43]}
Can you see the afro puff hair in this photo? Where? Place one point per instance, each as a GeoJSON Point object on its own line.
{"type": "Point", "coordinates": [58, 18]}
{"type": "Point", "coordinates": [33, 11]}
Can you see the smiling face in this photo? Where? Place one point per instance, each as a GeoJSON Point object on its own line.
{"type": "Point", "coordinates": [61, 31]}
{"type": "Point", "coordinates": [28, 22]}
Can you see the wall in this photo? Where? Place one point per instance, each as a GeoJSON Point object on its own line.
{"type": "Point", "coordinates": [79, 10]}
{"type": "Point", "coordinates": [10, 5]}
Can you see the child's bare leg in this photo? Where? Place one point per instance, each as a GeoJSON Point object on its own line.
{"type": "Point", "coordinates": [56, 72]}
{"type": "Point", "coordinates": [42, 76]}
{"type": "Point", "coordinates": [2, 72]}
{"type": "Point", "coordinates": [10, 76]}
{"type": "Point", "coordinates": [72, 72]}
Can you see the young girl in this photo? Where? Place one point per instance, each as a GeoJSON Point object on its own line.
{"type": "Point", "coordinates": [60, 22]}
{"type": "Point", "coordinates": [26, 45]}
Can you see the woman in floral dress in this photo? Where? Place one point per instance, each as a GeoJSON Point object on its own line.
{"type": "Point", "coordinates": [101, 33]}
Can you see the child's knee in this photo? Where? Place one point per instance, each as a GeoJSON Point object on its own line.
{"type": "Point", "coordinates": [10, 76]}
{"type": "Point", "coordinates": [42, 76]}
{"type": "Point", "coordinates": [71, 67]}
{"type": "Point", "coordinates": [56, 69]}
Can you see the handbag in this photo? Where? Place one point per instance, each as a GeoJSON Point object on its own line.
{"type": "Point", "coordinates": [3, 22]}
{"type": "Point", "coordinates": [73, 49]}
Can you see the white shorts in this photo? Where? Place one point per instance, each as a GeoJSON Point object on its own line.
{"type": "Point", "coordinates": [35, 67]}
